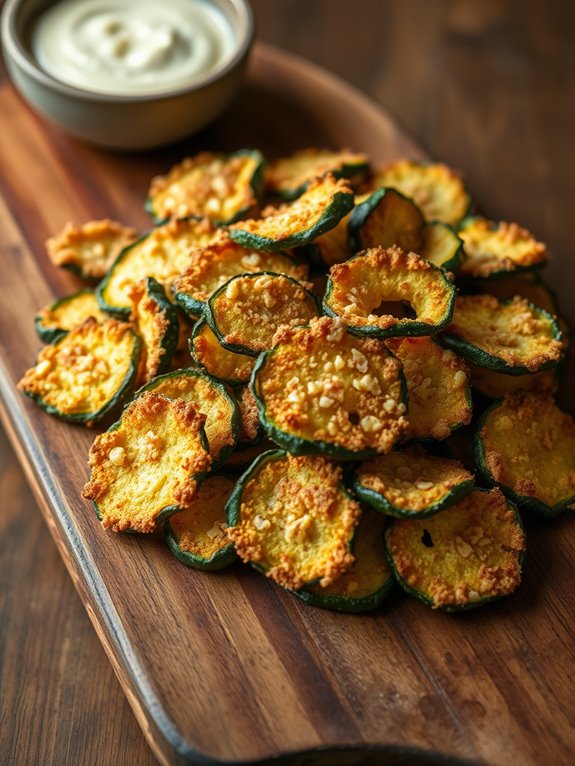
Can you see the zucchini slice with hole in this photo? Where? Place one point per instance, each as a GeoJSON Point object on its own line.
{"type": "Point", "coordinates": [55, 320]}
{"type": "Point", "coordinates": [368, 581]}
{"type": "Point", "coordinates": [463, 557]}
{"type": "Point", "coordinates": [321, 390]}
{"type": "Point", "coordinates": [147, 465]}
{"type": "Point", "coordinates": [384, 219]}
{"type": "Point", "coordinates": [245, 312]}
{"type": "Point", "coordinates": [514, 337]}
{"type": "Point", "coordinates": [436, 189]}
{"type": "Point", "coordinates": [411, 483]}
{"type": "Point", "coordinates": [87, 373]}
{"type": "Point", "coordinates": [494, 385]}
{"type": "Point", "coordinates": [292, 518]}
{"type": "Point", "coordinates": [526, 445]}
{"type": "Point", "coordinates": [197, 536]}
{"type": "Point", "coordinates": [208, 354]}
{"type": "Point", "coordinates": [212, 399]}
{"type": "Point", "coordinates": [323, 204]}
{"type": "Point", "coordinates": [441, 246]}
{"type": "Point", "coordinates": [496, 249]}
{"type": "Point", "coordinates": [438, 387]}
{"type": "Point", "coordinates": [89, 250]}
{"type": "Point", "coordinates": [221, 187]}
{"type": "Point", "coordinates": [162, 253]}
{"type": "Point", "coordinates": [366, 291]}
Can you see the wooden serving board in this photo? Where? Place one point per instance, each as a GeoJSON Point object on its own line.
{"type": "Point", "coordinates": [227, 667]}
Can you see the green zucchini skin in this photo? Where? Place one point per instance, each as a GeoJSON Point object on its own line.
{"type": "Point", "coordinates": [53, 334]}
{"type": "Point", "coordinates": [233, 506]}
{"type": "Point", "coordinates": [348, 170]}
{"type": "Point", "coordinates": [348, 604]}
{"type": "Point", "coordinates": [170, 339]}
{"type": "Point", "coordinates": [120, 312]}
{"type": "Point", "coordinates": [458, 256]}
{"type": "Point", "coordinates": [196, 331]}
{"type": "Point", "coordinates": [362, 212]}
{"type": "Point", "coordinates": [221, 559]}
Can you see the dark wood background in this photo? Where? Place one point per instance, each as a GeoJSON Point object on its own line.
{"type": "Point", "coordinates": [485, 85]}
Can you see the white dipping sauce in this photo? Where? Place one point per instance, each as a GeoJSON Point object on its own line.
{"type": "Point", "coordinates": [132, 47]}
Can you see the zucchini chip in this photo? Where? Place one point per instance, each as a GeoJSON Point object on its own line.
{"type": "Point", "coordinates": [245, 312]}
{"type": "Point", "coordinates": [369, 579]}
{"type": "Point", "coordinates": [211, 267]}
{"type": "Point", "coordinates": [462, 557]}
{"type": "Point", "coordinates": [526, 445]}
{"type": "Point", "coordinates": [365, 290]}
{"type": "Point", "coordinates": [290, 176]}
{"type": "Point", "coordinates": [55, 320]}
{"type": "Point", "coordinates": [197, 536]}
{"type": "Point", "coordinates": [221, 187]}
{"type": "Point", "coordinates": [441, 246]}
{"type": "Point", "coordinates": [162, 253]}
{"type": "Point", "coordinates": [91, 249]}
{"type": "Point", "coordinates": [292, 519]}
{"type": "Point", "coordinates": [147, 465]}
{"type": "Point", "coordinates": [438, 387]}
{"type": "Point", "coordinates": [436, 189]}
{"type": "Point", "coordinates": [321, 390]}
{"type": "Point", "coordinates": [87, 373]}
{"type": "Point", "coordinates": [494, 249]}
{"type": "Point", "coordinates": [208, 354]}
{"type": "Point", "coordinates": [320, 207]}
{"type": "Point", "coordinates": [411, 483]}
{"type": "Point", "coordinates": [212, 399]}
{"type": "Point", "coordinates": [494, 385]}
{"type": "Point", "coordinates": [514, 337]}
{"type": "Point", "coordinates": [386, 218]}
{"type": "Point", "coordinates": [250, 426]}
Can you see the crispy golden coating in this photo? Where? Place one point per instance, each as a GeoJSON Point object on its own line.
{"type": "Point", "coordinates": [387, 219]}
{"type": "Point", "coordinates": [249, 415]}
{"type": "Point", "coordinates": [70, 312]}
{"type": "Point", "coordinates": [301, 167]}
{"type": "Point", "coordinates": [491, 248]}
{"type": "Point", "coordinates": [296, 521]}
{"type": "Point", "coordinates": [147, 463]}
{"type": "Point", "coordinates": [496, 384]}
{"type": "Point", "coordinates": [217, 360]}
{"type": "Point", "coordinates": [152, 325]}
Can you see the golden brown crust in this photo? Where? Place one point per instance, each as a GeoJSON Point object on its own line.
{"type": "Point", "coordinates": [304, 165]}
{"type": "Point", "coordinates": [69, 313]}
{"type": "Point", "coordinates": [504, 247]}
{"type": "Point", "coordinates": [218, 361]}
{"type": "Point", "coordinates": [152, 325]}
{"type": "Point", "coordinates": [92, 247]}
{"type": "Point", "coordinates": [249, 415]}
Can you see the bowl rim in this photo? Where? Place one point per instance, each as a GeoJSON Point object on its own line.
{"type": "Point", "coordinates": [15, 49]}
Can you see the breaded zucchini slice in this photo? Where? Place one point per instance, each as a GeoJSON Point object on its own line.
{"type": "Point", "coordinates": [494, 385]}
{"type": "Point", "coordinates": [250, 426]}
{"type": "Point", "coordinates": [212, 266]}
{"type": "Point", "coordinates": [463, 557]}
{"type": "Point", "coordinates": [155, 320]}
{"type": "Point", "coordinates": [384, 219]}
{"type": "Point", "coordinates": [411, 483]}
{"type": "Point", "coordinates": [221, 187]}
{"type": "Point", "coordinates": [514, 337]}
{"type": "Point", "coordinates": [363, 291]}
{"type": "Point", "coordinates": [323, 204]}
{"type": "Point", "coordinates": [147, 465]}
{"type": "Point", "coordinates": [438, 388]}
{"type": "Point", "coordinates": [289, 177]}
{"type": "Point", "coordinates": [162, 253]}
{"type": "Point", "coordinates": [291, 518]}
{"type": "Point", "coordinates": [87, 373]}
{"type": "Point", "coordinates": [436, 189]}
{"type": "Point", "coordinates": [321, 390]}
{"type": "Point", "coordinates": [494, 249]}
{"type": "Point", "coordinates": [441, 245]}
{"type": "Point", "coordinates": [526, 445]}
{"type": "Point", "coordinates": [245, 312]}
{"type": "Point", "coordinates": [369, 579]}
{"type": "Point", "coordinates": [55, 320]}
{"type": "Point", "coordinates": [197, 536]}
{"type": "Point", "coordinates": [91, 249]}
{"type": "Point", "coordinates": [212, 399]}
{"type": "Point", "coordinates": [225, 365]}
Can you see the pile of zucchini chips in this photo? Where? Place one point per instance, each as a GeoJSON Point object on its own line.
{"type": "Point", "coordinates": [341, 377]}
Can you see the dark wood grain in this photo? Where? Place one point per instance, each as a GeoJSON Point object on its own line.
{"type": "Point", "coordinates": [487, 87]}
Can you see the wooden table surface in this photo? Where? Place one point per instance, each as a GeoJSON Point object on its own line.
{"type": "Point", "coordinates": [485, 85]}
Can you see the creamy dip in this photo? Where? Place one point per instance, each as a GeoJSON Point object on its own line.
{"type": "Point", "coordinates": [132, 47]}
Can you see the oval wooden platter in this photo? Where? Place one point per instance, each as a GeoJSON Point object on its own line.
{"type": "Point", "coordinates": [226, 667]}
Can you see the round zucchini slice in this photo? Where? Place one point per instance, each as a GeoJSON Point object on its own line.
{"type": "Point", "coordinates": [514, 337]}
{"type": "Point", "coordinates": [495, 249]}
{"type": "Point", "coordinates": [321, 390]}
{"type": "Point", "coordinates": [55, 320]}
{"type": "Point", "coordinates": [292, 519]}
{"type": "Point", "coordinates": [208, 354]}
{"type": "Point", "coordinates": [526, 445]}
{"type": "Point", "coordinates": [384, 219]}
{"type": "Point", "coordinates": [441, 246]}
{"type": "Point", "coordinates": [197, 536]}
{"type": "Point", "coordinates": [212, 399]}
{"type": "Point", "coordinates": [87, 373]}
{"type": "Point", "coordinates": [463, 557]}
{"type": "Point", "coordinates": [245, 312]}
{"type": "Point", "coordinates": [221, 187]}
{"type": "Point", "coordinates": [438, 387]}
{"type": "Point", "coordinates": [411, 483]}
{"type": "Point", "coordinates": [494, 385]}
{"type": "Point", "coordinates": [366, 291]}
{"type": "Point", "coordinates": [147, 465]}
{"type": "Point", "coordinates": [368, 581]}
{"type": "Point", "coordinates": [320, 207]}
